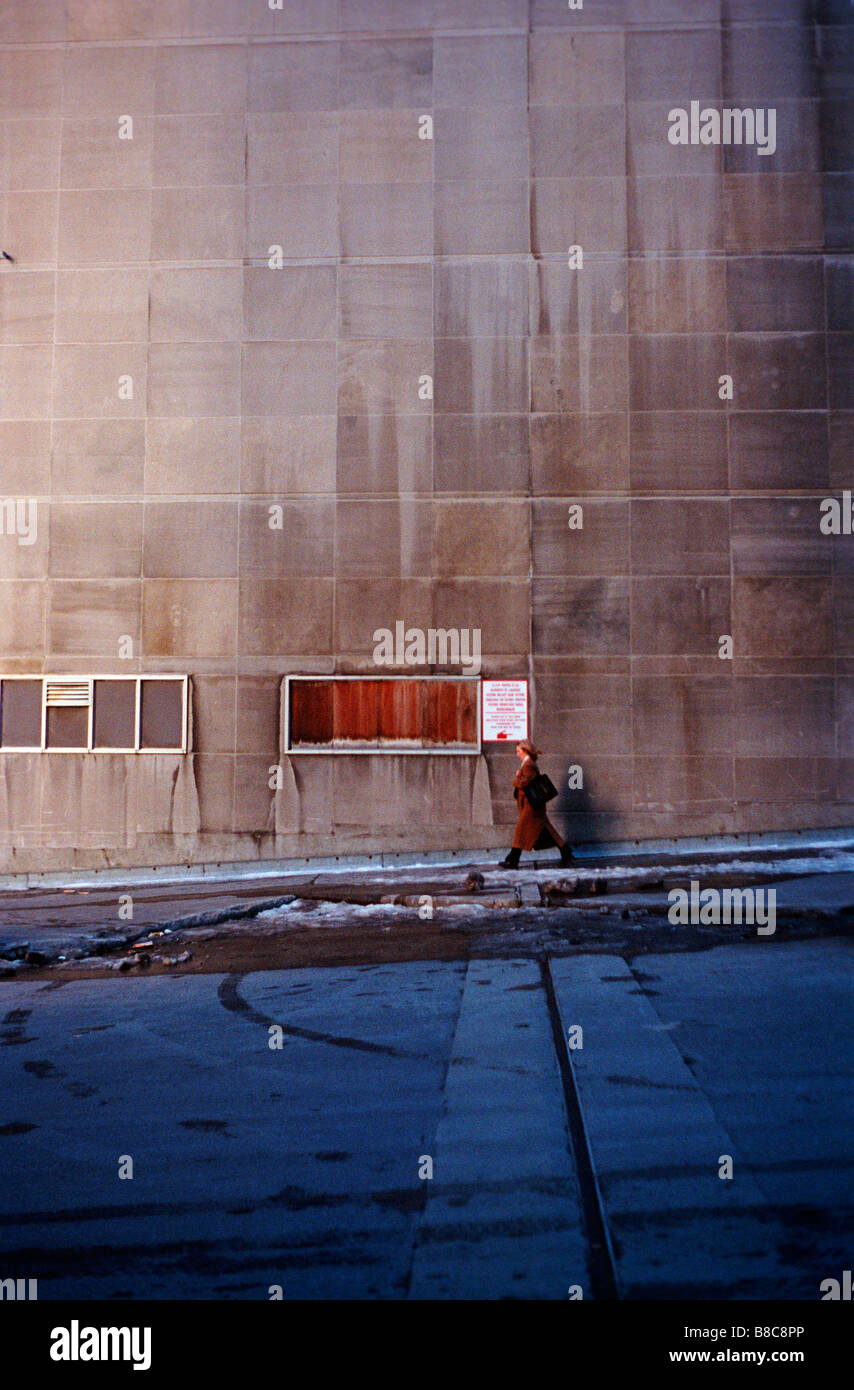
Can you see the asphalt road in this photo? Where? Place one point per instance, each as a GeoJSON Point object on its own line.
{"type": "Point", "coordinates": [593, 1169]}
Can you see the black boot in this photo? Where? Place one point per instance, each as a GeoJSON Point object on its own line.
{"type": "Point", "coordinates": [566, 856]}
{"type": "Point", "coordinates": [512, 860]}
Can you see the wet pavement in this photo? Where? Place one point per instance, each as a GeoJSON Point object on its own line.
{"type": "Point", "coordinates": [555, 1168]}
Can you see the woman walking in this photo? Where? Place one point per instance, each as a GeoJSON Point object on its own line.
{"type": "Point", "coordinates": [534, 830]}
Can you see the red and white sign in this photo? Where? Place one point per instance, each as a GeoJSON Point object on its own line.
{"type": "Point", "coordinates": [505, 711]}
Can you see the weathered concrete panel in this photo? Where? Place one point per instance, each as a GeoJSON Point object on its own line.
{"type": "Point", "coordinates": [283, 365]}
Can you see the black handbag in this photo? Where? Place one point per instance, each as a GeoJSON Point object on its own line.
{"type": "Point", "coordinates": [540, 790]}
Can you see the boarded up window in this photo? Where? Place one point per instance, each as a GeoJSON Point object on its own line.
{"type": "Point", "coordinates": [115, 714]}
{"type": "Point", "coordinates": [356, 706]}
{"type": "Point", "coordinates": [311, 712]}
{"type": "Point", "coordinates": [67, 726]}
{"type": "Point", "coordinates": [401, 711]}
{"type": "Point", "coordinates": [121, 714]}
{"type": "Point", "coordinates": [383, 714]}
{"type": "Point", "coordinates": [162, 714]}
{"type": "Point", "coordinates": [20, 714]}
{"type": "Point", "coordinates": [450, 712]}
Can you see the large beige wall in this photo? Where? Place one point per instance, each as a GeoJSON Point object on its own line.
{"type": "Point", "coordinates": [148, 258]}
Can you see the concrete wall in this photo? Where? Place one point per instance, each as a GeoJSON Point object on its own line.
{"type": "Point", "coordinates": [148, 257]}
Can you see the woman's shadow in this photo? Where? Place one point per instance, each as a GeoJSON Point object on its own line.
{"type": "Point", "coordinates": [586, 824]}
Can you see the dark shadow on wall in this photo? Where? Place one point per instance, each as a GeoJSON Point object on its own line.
{"type": "Point", "coordinates": [580, 816]}
{"type": "Point", "coordinates": [584, 820]}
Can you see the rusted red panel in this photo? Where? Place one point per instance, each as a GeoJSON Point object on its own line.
{"type": "Point", "coordinates": [311, 712]}
{"type": "Point", "coordinates": [448, 712]}
{"type": "Point", "coordinates": [400, 710]}
{"type": "Point", "coordinates": [356, 711]}
{"type": "Point", "coordinates": [450, 709]}
{"type": "Point", "coordinates": [409, 710]}
{"type": "Point", "coordinates": [430, 711]}
{"type": "Point", "coordinates": [467, 712]}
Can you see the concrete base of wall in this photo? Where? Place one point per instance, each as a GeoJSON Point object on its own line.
{"type": "Point", "coordinates": [807, 841]}
{"type": "Point", "coordinates": [203, 854]}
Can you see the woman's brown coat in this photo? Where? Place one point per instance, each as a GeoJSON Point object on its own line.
{"type": "Point", "coordinates": [533, 825]}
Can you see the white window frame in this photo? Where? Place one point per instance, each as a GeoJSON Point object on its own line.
{"type": "Point", "coordinates": [90, 680]}
{"type": "Point", "coordinates": [441, 750]}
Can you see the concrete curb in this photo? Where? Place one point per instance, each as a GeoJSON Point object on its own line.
{"type": "Point", "coordinates": [806, 841]}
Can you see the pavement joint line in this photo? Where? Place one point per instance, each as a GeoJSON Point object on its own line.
{"type": "Point", "coordinates": [418, 1224]}
{"type": "Point", "coordinates": [601, 1255]}
{"type": "Point", "coordinates": [753, 1172]}
{"type": "Point", "coordinates": [229, 996]}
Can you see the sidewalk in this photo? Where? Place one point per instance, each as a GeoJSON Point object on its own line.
{"type": "Point", "coordinates": [41, 926]}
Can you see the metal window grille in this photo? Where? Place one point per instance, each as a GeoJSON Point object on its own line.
{"type": "Point", "coordinates": [60, 696]}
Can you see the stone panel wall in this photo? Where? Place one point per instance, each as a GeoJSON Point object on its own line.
{"type": "Point", "coordinates": [162, 388]}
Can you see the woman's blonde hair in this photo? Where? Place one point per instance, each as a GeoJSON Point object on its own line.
{"type": "Point", "coordinates": [529, 748]}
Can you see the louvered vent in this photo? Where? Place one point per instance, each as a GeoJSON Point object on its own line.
{"type": "Point", "coordinates": [65, 693]}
